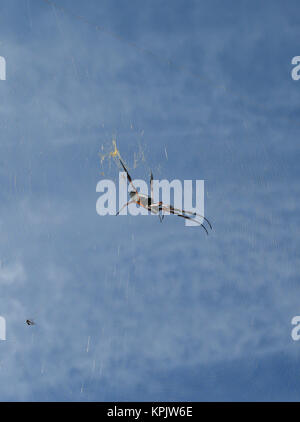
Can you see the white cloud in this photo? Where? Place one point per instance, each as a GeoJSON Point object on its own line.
{"type": "Point", "coordinates": [12, 273]}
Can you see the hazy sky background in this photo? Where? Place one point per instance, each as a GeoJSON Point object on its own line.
{"type": "Point", "coordinates": [127, 308]}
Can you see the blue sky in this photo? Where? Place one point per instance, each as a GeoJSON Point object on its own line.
{"type": "Point", "coordinates": [127, 308]}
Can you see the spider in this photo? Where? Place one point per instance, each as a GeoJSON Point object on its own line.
{"type": "Point", "coordinates": [155, 208]}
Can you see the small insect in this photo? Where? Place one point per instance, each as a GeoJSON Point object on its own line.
{"type": "Point", "coordinates": [158, 207]}
{"type": "Point", "coordinates": [30, 322]}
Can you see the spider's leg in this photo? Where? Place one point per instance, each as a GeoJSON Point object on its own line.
{"type": "Point", "coordinates": [156, 208]}
{"type": "Point", "coordinates": [151, 186]}
{"type": "Point", "coordinates": [189, 218]}
{"type": "Point", "coordinates": [128, 176]}
{"type": "Point", "coordinates": [198, 215]}
{"type": "Point", "coordinates": [191, 213]}
{"type": "Point", "coordinates": [157, 204]}
{"type": "Point", "coordinates": [161, 217]}
{"type": "Point", "coordinates": [126, 205]}
{"type": "Point", "coordinates": [177, 212]}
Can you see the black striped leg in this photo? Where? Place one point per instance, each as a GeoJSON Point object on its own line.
{"type": "Point", "coordinates": [128, 176]}
{"type": "Point", "coordinates": [190, 213]}
{"type": "Point", "coordinates": [173, 211]}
